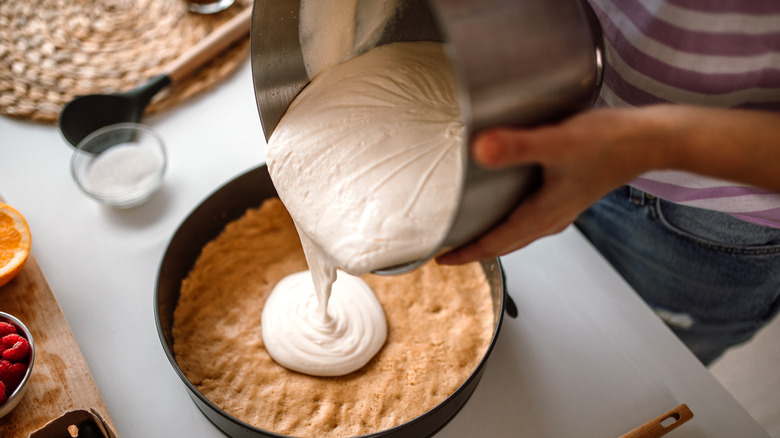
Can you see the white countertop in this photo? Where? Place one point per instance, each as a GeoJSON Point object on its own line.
{"type": "Point", "coordinates": [584, 358]}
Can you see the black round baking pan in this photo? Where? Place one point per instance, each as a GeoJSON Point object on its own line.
{"type": "Point", "coordinates": [203, 224]}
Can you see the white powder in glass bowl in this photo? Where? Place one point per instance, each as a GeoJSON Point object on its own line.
{"type": "Point", "coordinates": [123, 169]}
{"type": "Point", "coordinates": [120, 165]}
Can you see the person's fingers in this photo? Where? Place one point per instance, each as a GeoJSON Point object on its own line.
{"type": "Point", "coordinates": [534, 218]}
{"type": "Point", "coordinates": [466, 254]}
{"type": "Point", "coordinates": [501, 240]}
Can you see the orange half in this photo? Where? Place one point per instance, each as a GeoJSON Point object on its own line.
{"type": "Point", "coordinates": [15, 241]}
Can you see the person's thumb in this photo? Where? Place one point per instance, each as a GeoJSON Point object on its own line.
{"type": "Point", "coordinates": [499, 147]}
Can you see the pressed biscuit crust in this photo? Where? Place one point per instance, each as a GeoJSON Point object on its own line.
{"type": "Point", "coordinates": [440, 323]}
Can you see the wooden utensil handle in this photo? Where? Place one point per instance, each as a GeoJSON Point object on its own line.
{"type": "Point", "coordinates": [208, 47]}
{"type": "Point", "coordinates": [662, 424]}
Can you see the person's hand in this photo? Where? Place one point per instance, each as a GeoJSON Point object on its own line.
{"type": "Point", "coordinates": [586, 156]}
{"type": "Point", "coordinates": [582, 159]}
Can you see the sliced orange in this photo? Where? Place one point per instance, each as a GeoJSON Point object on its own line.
{"type": "Point", "coordinates": [14, 243]}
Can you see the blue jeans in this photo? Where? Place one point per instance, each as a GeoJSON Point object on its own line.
{"type": "Point", "coordinates": [714, 279]}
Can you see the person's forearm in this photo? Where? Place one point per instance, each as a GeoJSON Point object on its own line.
{"type": "Point", "coordinates": [736, 145]}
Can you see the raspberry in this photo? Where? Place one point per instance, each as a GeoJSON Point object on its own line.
{"type": "Point", "coordinates": [6, 328]}
{"type": "Point", "coordinates": [15, 347]}
{"type": "Point", "coordinates": [3, 398]}
{"type": "Point", "coordinates": [11, 374]}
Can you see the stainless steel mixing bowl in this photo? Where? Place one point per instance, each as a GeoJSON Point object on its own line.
{"type": "Point", "coordinates": [519, 63]}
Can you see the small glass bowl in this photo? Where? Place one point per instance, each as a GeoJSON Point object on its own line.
{"type": "Point", "coordinates": [18, 393]}
{"type": "Point", "coordinates": [208, 6]}
{"type": "Point", "coordinates": [120, 165]}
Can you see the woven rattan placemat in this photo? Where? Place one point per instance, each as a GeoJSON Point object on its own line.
{"type": "Point", "coordinates": [53, 50]}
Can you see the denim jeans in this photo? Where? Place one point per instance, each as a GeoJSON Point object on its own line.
{"type": "Point", "coordinates": [714, 279]}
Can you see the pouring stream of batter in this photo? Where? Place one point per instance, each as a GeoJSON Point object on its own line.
{"type": "Point", "coordinates": [367, 160]}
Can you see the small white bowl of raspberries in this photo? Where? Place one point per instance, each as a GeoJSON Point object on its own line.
{"type": "Point", "coordinates": [17, 354]}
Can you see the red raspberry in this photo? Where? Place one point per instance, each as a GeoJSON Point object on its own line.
{"type": "Point", "coordinates": [6, 328]}
{"type": "Point", "coordinates": [15, 347]}
{"type": "Point", "coordinates": [11, 374]}
{"type": "Point", "coordinates": [3, 398]}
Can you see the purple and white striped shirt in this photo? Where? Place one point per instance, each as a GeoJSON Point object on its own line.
{"type": "Point", "coordinates": [716, 53]}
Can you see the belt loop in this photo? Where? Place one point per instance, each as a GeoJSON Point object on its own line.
{"type": "Point", "coordinates": [636, 196]}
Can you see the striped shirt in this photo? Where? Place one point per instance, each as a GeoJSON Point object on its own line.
{"type": "Point", "coordinates": [716, 53]}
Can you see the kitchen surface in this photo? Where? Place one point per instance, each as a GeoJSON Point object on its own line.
{"type": "Point", "coordinates": [585, 357]}
{"type": "Point", "coordinates": [748, 372]}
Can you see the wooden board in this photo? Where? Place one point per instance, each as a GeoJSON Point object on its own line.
{"type": "Point", "coordinates": [61, 380]}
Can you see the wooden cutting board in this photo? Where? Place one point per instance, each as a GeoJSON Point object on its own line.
{"type": "Point", "coordinates": [61, 380]}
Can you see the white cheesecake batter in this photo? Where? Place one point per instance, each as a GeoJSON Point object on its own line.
{"type": "Point", "coordinates": [332, 31]}
{"type": "Point", "coordinates": [368, 161]}
{"type": "Point", "coordinates": [346, 339]}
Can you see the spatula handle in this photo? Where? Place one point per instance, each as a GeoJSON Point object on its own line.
{"type": "Point", "coordinates": [208, 47]}
{"type": "Point", "coordinates": [662, 424]}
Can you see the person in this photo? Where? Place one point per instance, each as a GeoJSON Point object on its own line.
{"type": "Point", "coordinates": [674, 176]}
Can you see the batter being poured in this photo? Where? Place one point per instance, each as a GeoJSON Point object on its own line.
{"type": "Point", "coordinates": [367, 160]}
